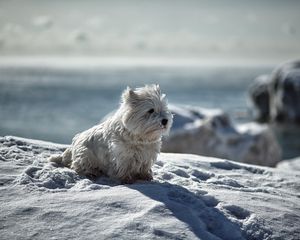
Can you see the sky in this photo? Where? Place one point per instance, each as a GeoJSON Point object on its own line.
{"type": "Point", "coordinates": [256, 30]}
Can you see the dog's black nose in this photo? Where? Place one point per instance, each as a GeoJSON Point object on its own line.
{"type": "Point", "coordinates": [164, 122]}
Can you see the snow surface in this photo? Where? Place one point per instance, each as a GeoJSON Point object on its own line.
{"type": "Point", "coordinates": [211, 132]}
{"type": "Point", "coordinates": [290, 164]}
{"type": "Point", "coordinates": [191, 197]}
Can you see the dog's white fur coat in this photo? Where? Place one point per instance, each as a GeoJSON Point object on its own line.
{"type": "Point", "coordinates": [124, 146]}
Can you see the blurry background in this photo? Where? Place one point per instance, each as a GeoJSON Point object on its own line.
{"type": "Point", "coordinates": [251, 30]}
{"type": "Point", "coordinates": [60, 60]}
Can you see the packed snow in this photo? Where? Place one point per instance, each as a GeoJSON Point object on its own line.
{"type": "Point", "coordinates": [191, 197]}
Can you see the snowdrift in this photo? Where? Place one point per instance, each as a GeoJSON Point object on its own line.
{"type": "Point", "coordinates": [191, 197]}
{"type": "Point", "coordinates": [211, 132]}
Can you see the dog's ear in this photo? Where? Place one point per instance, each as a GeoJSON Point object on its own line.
{"type": "Point", "coordinates": [157, 89]}
{"type": "Point", "coordinates": [129, 96]}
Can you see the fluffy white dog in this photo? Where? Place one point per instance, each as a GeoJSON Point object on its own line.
{"type": "Point", "coordinates": [124, 146]}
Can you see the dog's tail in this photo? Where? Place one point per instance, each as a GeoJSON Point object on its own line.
{"type": "Point", "coordinates": [56, 158]}
{"type": "Point", "coordinates": [64, 159]}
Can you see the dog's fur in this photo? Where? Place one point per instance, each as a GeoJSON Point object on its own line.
{"type": "Point", "coordinates": [124, 146]}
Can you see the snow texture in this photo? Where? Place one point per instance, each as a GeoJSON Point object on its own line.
{"type": "Point", "coordinates": [191, 197]}
{"type": "Point", "coordinates": [290, 164]}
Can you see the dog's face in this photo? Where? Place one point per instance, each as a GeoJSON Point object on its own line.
{"type": "Point", "coordinates": [145, 112]}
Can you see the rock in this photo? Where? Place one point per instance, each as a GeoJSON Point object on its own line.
{"type": "Point", "coordinates": [211, 133]}
{"type": "Point", "coordinates": [260, 98]}
{"type": "Point", "coordinates": [288, 137]}
{"type": "Point", "coordinates": [285, 93]}
{"type": "Point", "coordinates": [276, 97]}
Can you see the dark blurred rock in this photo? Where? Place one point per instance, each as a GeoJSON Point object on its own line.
{"type": "Point", "coordinates": [260, 96]}
{"type": "Point", "coordinates": [276, 98]}
{"type": "Point", "coordinates": [285, 93]}
{"type": "Point", "coordinates": [289, 139]}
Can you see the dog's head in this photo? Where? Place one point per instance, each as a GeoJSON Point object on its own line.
{"type": "Point", "coordinates": [145, 112]}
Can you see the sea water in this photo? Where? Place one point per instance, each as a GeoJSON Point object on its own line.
{"type": "Point", "coordinates": [54, 102]}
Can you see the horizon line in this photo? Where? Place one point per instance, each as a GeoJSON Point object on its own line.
{"type": "Point", "coordinates": [59, 61]}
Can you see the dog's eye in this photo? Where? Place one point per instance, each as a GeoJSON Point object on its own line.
{"type": "Point", "coordinates": [151, 111]}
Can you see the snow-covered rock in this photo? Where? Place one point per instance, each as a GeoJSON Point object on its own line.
{"type": "Point", "coordinates": [191, 197]}
{"type": "Point", "coordinates": [285, 93]}
{"type": "Point", "coordinates": [260, 98]}
{"type": "Point", "coordinates": [211, 133]}
{"type": "Point", "coordinates": [289, 165]}
{"type": "Point", "coordinates": [276, 97]}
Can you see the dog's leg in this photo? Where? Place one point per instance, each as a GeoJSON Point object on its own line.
{"type": "Point", "coordinates": [83, 162]}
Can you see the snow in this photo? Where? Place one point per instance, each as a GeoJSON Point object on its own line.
{"type": "Point", "coordinates": [191, 197]}
{"type": "Point", "coordinates": [211, 132]}
{"type": "Point", "coordinates": [290, 164]}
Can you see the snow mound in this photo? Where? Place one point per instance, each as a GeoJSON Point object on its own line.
{"type": "Point", "coordinates": [290, 164]}
{"type": "Point", "coordinates": [212, 133]}
{"type": "Point", "coordinates": [191, 197]}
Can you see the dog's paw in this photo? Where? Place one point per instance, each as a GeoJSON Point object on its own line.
{"type": "Point", "coordinates": [128, 180]}
{"type": "Point", "coordinates": [145, 177]}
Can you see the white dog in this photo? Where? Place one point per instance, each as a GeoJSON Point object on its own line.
{"type": "Point", "coordinates": [124, 146]}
